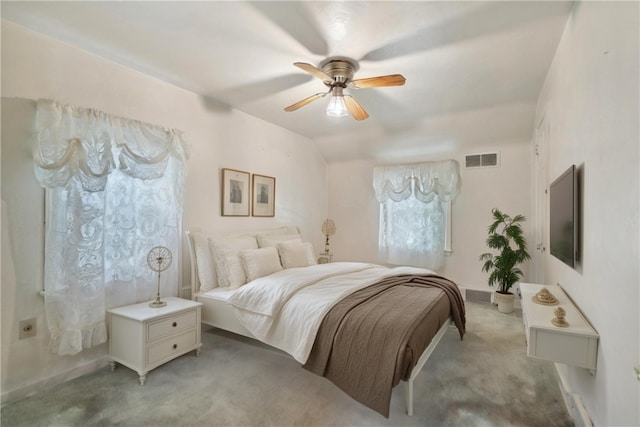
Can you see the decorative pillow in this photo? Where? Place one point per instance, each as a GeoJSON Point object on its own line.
{"type": "Point", "coordinates": [234, 275]}
{"type": "Point", "coordinates": [272, 241]}
{"type": "Point", "coordinates": [296, 254]}
{"type": "Point", "coordinates": [204, 261]}
{"type": "Point", "coordinates": [280, 231]}
{"type": "Point", "coordinates": [226, 252]}
{"type": "Point", "coordinates": [260, 262]}
{"type": "Point", "coordinates": [273, 237]}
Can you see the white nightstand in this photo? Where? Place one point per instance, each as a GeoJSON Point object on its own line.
{"type": "Point", "coordinates": [143, 338]}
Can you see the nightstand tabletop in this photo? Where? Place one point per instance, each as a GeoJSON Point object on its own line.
{"type": "Point", "coordinates": [143, 312]}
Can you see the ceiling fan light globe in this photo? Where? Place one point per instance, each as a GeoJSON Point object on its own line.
{"type": "Point", "coordinates": [337, 107]}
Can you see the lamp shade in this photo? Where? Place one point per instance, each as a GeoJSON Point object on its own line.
{"type": "Point", "coordinates": [336, 106]}
{"type": "Point", "coordinates": [328, 227]}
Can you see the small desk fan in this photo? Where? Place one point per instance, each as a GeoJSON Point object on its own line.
{"type": "Point", "coordinates": [159, 259]}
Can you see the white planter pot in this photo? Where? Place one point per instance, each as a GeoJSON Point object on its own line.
{"type": "Point", "coordinates": [505, 302]}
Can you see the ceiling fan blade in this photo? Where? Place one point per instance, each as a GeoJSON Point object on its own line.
{"type": "Point", "coordinates": [355, 108]}
{"type": "Point", "coordinates": [380, 81]}
{"type": "Point", "coordinates": [304, 102]}
{"type": "Point", "coordinates": [314, 71]}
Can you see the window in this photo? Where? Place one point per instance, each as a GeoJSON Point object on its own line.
{"type": "Point", "coordinates": [114, 190]}
{"type": "Point", "coordinates": [415, 212]}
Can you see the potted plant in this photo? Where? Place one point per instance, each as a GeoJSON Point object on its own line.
{"type": "Point", "coordinates": [505, 236]}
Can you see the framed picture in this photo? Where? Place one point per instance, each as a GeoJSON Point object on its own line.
{"type": "Point", "coordinates": [264, 195]}
{"type": "Point", "coordinates": [236, 193]}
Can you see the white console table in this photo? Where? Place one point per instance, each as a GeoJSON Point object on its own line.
{"type": "Point", "coordinates": [576, 344]}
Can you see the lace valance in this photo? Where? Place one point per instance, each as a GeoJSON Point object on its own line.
{"type": "Point", "coordinates": [424, 180]}
{"type": "Point", "coordinates": [85, 143]}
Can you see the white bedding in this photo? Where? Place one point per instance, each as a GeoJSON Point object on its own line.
{"type": "Point", "coordinates": [221, 294]}
{"type": "Point", "coordinates": [285, 309]}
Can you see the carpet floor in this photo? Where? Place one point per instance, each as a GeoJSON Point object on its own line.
{"type": "Point", "coordinates": [484, 380]}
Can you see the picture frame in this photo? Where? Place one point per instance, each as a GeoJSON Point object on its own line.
{"type": "Point", "coordinates": [264, 195]}
{"type": "Point", "coordinates": [236, 192]}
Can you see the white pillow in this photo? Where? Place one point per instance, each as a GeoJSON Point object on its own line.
{"type": "Point", "coordinates": [260, 262]}
{"type": "Point", "coordinates": [280, 231]}
{"type": "Point", "coordinates": [204, 261]}
{"type": "Point", "coordinates": [270, 243]}
{"type": "Point", "coordinates": [226, 253]}
{"type": "Point", "coordinates": [296, 254]}
{"type": "Point", "coordinates": [272, 240]}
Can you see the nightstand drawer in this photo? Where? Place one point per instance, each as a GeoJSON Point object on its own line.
{"type": "Point", "coordinates": [168, 348]}
{"type": "Point", "coordinates": [170, 325]}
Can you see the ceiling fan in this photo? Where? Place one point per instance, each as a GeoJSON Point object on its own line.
{"type": "Point", "coordinates": [337, 74]}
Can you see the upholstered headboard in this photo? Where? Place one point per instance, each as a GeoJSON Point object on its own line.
{"type": "Point", "coordinates": [201, 253]}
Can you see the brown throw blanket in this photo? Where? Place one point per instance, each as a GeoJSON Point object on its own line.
{"type": "Point", "coordinates": [374, 337]}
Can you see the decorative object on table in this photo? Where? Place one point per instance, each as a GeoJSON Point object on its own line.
{"type": "Point", "coordinates": [559, 320]}
{"type": "Point", "coordinates": [544, 297]}
{"type": "Point", "coordinates": [159, 259]}
{"type": "Point", "coordinates": [264, 195]}
{"type": "Point", "coordinates": [328, 229]}
{"type": "Point", "coordinates": [236, 193]}
{"type": "Point", "coordinates": [506, 236]}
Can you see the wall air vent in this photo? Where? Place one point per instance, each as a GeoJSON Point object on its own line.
{"type": "Point", "coordinates": [483, 160]}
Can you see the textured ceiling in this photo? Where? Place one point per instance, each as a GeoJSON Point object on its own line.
{"type": "Point", "coordinates": [474, 70]}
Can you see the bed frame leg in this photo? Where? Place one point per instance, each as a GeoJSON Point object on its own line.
{"type": "Point", "coordinates": [409, 397]}
{"type": "Point", "coordinates": [422, 361]}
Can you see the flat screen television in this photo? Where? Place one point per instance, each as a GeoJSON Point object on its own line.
{"type": "Point", "coordinates": [564, 217]}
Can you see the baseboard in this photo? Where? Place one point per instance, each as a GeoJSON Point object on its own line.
{"type": "Point", "coordinates": [30, 389]}
{"type": "Point", "coordinates": [573, 403]}
{"type": "Point", "coordinates": [581, 417]}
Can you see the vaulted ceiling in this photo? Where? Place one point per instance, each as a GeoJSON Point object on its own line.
{"type": "Point", "coordinates": [473, 70]}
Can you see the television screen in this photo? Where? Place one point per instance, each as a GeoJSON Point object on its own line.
{"type": "Point", "coordinates": [563, 217]}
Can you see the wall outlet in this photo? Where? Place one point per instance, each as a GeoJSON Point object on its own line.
{"type": "Point", "coordinates": [27, 328]}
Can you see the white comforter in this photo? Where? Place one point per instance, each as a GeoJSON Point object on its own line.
{"type": "Point", "coordinates": [285, 309]}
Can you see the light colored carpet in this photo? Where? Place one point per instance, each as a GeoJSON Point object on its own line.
{"type": "Point", "coordinates": [484, 380]}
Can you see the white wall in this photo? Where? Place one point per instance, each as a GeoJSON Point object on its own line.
{"type": "Point", "coordinates": [33, 67]}
{"type": "Point", "coordinates": [591, 98]}
{"type": "Point", "coordinates": [353, 207]}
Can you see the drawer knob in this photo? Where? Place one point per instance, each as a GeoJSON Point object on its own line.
{"type": "Point", "coordinates": [175, 346]}
{"type": "Point", "coordinates": [174, 324]}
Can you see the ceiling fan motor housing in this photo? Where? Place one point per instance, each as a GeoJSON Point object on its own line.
{"type": "Point", "coordinates": [341, 71]}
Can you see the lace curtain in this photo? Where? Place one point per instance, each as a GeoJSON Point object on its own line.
{"type": "Point", "coordinates": [412, 212]}
{"type": "Point", "coordinates": [114, 190]}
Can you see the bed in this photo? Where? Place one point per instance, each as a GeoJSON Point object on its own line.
{"type": "Point", "coordinates": [363, 326]}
